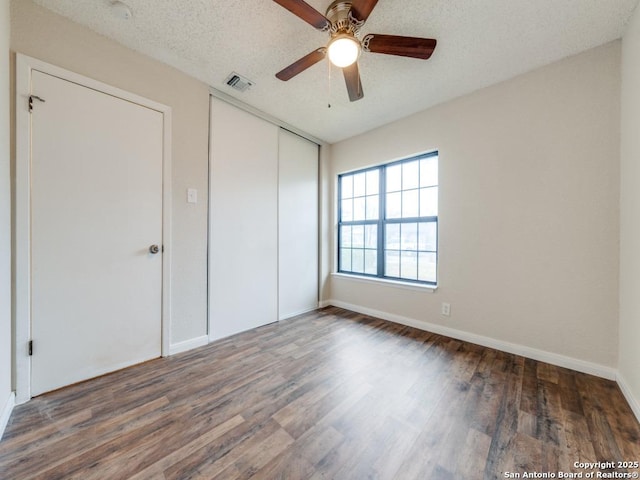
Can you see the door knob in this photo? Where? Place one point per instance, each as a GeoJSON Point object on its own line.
{"type": "Point", "coordinates": [153, 249]}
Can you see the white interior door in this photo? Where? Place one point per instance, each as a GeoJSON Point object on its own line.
{"type": "Point", "coordinates": [96, 208]}
{"type": "Point", "coordinates": [297, 225]}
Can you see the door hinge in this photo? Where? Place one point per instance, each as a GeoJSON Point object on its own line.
{"type": "Point", "coordinates": [30, 347]}
{"type": "Point", "coordinates": [31, 99]}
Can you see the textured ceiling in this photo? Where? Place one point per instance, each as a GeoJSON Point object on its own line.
{"type": "Point", "coordinates": [480, 42]}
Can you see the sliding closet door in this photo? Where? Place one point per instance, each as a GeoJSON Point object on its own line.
{"type": "Point", "coordinates": [243, 257]}
{"type": "Point", "coordinates": [297, 225]}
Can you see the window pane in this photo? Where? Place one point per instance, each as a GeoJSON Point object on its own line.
{"type": "Point", "coordinates": [359, 208]}
{"type": "Point", "coordinates": [371, 236]}
{"type": "Point", "coordinates": [427, 267]}
{"type": "Point", "coordinates": [410, 204]}
{"type": "Point", "coordinates": [394, 178]}
{"type": "Point", "coordinates": [427, 236]}
{"type": "Point", "coordinates": [345, 236]}
{"type": "Point", "coordinates": [394, 202]}
{"type": "Point", "coordinates": [371, 262]}
{"type": "Point", "coordinates": [409, 236]}
{"type": "Point", "coordinates": [392, 238]}
{"type": "Point", "coordinates": [347, 186]}
{"type": "Point", "coordinates": [357, 261]}
{"type": "Point", "coordinates": [345, 259]}
{"type": "Point", "coordinates": [409, 265]}
{"type": "Point", "coordinates": [392, 263]}
{"type": "Point", "coordinates": [358, 236]}
{"type": "Point", "coordinates": [429, 172]}
{"type": "Point", "coordinates": [346, 210]}
{"type": "Point", "coordinates": [373, 207]}
{"type": "Point", "coordinates": [410, 175]}
{"type": "Point", "coordinates": [429, 202]}
{"type": "Point", "coordinates": [373, 182]}
{"type": "Point", "coordinates": [359, 185]}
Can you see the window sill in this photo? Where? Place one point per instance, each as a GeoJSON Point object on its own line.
{"type": "Point", "coordinates": [390, 283]}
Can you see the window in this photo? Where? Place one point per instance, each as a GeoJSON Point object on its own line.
{"type": "Point", "coordinates": [388, 220]}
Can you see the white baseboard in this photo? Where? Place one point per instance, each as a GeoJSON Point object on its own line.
{"type": "Point", "coordinates": [324, 303]}
{"type": "Point", "coordinates": [634, 403]}
{"type": "Point", "coordinates": [188, 344]}
{"type": "Point", "coordinates": [528, 352]}
{"type": "Point", "coordinates": [5, 413]}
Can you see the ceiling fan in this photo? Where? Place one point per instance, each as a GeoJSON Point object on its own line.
{"type": "Point", "coordinates": [343, 20]}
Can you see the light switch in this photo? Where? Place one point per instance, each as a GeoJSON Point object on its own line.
{"type": "Point", "coordinates": [192, 195]}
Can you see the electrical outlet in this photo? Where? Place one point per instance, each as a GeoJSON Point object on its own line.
{"type": "Point", "coordinates": [446, 309]}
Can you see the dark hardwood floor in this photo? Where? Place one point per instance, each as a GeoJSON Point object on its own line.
{"type": "Point", "coordinates": [328, 395]}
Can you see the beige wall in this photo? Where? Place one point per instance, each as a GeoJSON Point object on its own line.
{"type": "Point", "coordinates": [5, 215]}
{"type": "Point", "coordinates": [629, 362]}
{"type": "Point", "coordinates": [39, 33]}
{"type": "Point", "coordinates": [325, 231]}
{"type": "Point", "coordinates": [529, 185]}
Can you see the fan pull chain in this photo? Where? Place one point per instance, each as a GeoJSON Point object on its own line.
{"type": "Point", "coordinates": [329, 86]}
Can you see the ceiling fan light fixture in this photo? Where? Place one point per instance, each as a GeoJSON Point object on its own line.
{"type": "Point", "coordinates": [343, 50]}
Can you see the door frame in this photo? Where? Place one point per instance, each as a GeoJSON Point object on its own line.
{"type": "Point", "coordinates": [24, 67]}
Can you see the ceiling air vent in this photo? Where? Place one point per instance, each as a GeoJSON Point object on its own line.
{"type": "Point", "coordinates": [238, 82]}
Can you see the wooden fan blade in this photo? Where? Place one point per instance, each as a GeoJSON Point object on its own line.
{"type": "Point", "coordinates": [352, 79]}
{"type": "Point", "coordinates": [361, 9]}
{"type": "Point", "coordinates": [306, 12]}
{"type": "Point", "coordinates": [301, 65]}
{"type": "Point", "coordinates": [414, 47]}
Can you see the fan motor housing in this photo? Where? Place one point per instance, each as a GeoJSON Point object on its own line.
{"type": "Point", "coordinates": [341, 20]}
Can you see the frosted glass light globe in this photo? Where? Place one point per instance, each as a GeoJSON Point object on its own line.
{"type": "Point", "coordinates": [343, 50]}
